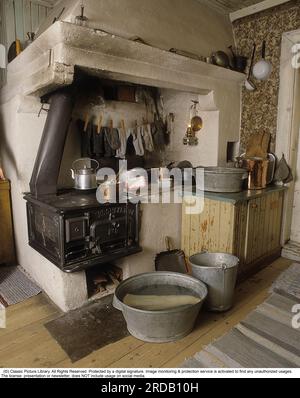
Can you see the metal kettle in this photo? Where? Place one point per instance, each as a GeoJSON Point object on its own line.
{"type": "Point", "coordinates": [84, 174]}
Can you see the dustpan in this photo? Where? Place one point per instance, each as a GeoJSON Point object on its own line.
{"type": "Point", "coordinates": [171, 260]}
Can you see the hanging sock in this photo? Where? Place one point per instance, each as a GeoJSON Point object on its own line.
{"type": "Point", "coordinates": [147, 138]}
{"type": "Point", "coordinates": [158, 129]}
{"type": "Point", "coordinates": [112, 136]}
{"type": "Point", "coordinates": [130, 151]}
{"type": "Point", "coordinates": [123, 137]}
{"type": "Point", "coordinates": [108, 151]}
{"type": "Point", "coordinates": [137, 141]}
{"type": "Point", "coordinates": [98, 142]}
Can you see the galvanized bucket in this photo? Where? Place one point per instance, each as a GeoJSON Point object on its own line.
{"type": "Point", "coordinates": [219, 272]}
{"type": "Point", "coordinates": [166, 325]}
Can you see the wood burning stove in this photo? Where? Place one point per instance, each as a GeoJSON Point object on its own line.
{"type": "Point", "coordinates": [70, 228]}
{"type": "Point", "coordinates": [75, 232]}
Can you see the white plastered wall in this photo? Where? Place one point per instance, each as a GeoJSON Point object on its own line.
{"type": "Point", "coordinates": [184, 24]}
{"type": "Point", "coordinates": [21, 130]}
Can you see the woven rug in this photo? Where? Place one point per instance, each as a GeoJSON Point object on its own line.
{"type": "Point", "coordinates": [266, 338]}
{"type": "Point", "coordinates": [15, 286]}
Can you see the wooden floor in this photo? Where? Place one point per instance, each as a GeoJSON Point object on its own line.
{"type": "Point", "coordinates": [27, 343]}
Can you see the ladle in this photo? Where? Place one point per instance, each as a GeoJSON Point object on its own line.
{"type": "Point", "coordinates": [249, 83]}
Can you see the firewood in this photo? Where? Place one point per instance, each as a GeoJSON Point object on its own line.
{"type": "Point", "coordinates": [118, 272]}
{"type": "Point", "coordinates": [101, 278]}
{"type": "Point", "coordinates": [113, 279]}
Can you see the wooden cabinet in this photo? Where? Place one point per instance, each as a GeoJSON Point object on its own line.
{"type": "Point", "coordinates": [247, 225]}
{"type": "Point", "coordinates": [7, 253]}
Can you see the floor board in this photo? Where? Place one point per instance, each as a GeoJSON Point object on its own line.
{"type": "Point", "coordinates": [26, 342]}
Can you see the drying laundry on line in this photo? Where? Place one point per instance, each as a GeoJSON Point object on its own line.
{"type": "Point", "coordinates": [114, 142]}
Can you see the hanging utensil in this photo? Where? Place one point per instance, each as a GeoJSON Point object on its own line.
{"type": "Point", "coordinates": [15, 48]}
{"type": "Point", "coordinates": [196, 120]}
{"type": "Point", "coordinates": [233, 57]}
{"type": "Point", "coordinates": [250, 86]}
{"type": "Point", "coordinates": [239, 61]}
{"type": "Point", "coordinates": [196, 123]}
{"type": "Point", "coordinates": [262, 69]}
{"type": "Point", "coordinates": [81, 19]}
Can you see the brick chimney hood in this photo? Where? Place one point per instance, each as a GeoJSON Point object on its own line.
{"type": "Point", "coordinates": [49, 63]}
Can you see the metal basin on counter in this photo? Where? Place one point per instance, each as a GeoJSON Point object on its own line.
{"type": "Point", "coordinates": [162, 325]}
{"type": "Point", "coordinates": [224, 179]}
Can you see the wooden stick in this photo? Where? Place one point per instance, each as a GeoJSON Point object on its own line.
{"type": "Point", "coordinates": [123, 127]}
{"type": "Point", "coordinates": [87, 119]}
{"type": "Point", "coordinates": [168, 243]}
{"type": "Point", "coordinates": [99, 124]}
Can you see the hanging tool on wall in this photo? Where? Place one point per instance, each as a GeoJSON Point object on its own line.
{"type": "Point", "coordinates": [59, 15]}
{"type": "Point", "coordinates": [81, 19]}
{"type": "Point", "coordinates": [250, 86]}
{"type": "Point", "coordinates": [15, 48]}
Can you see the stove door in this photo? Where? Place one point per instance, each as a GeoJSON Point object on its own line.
{"type": "Point", "coordinates": [76, 238]}
{"type": "Point", "coordinates": [76, 228]}
{"type": "Point", "coordinates": [108, 235]}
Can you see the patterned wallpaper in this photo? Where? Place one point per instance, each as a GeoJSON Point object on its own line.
{"type": "Point", "coordinates": [259, 108]}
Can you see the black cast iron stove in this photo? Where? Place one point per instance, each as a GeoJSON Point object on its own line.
{"type": "Point", "coordinates": [70, 228]}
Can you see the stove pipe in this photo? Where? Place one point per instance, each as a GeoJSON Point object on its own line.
{"type": "Point", "coordinates": [47, 163]}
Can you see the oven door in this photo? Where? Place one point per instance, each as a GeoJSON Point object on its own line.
{"type": "Point", "coordinates": [108, 235]}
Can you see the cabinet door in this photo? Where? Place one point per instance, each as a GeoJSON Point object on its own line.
{"type": "Point", "coordinates": [263, 226]}
{"type": "Point", "coordinates": [255, 233]}
{"type": "Point", "coordinates": [212, 230]}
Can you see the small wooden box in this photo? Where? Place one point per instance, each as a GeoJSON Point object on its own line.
{"type": "Point", "coordinates": [7, 248]}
